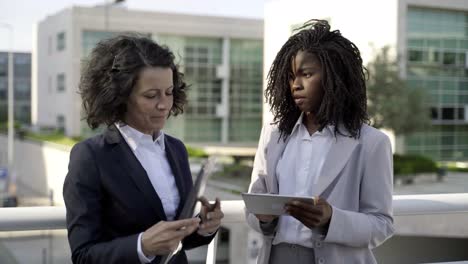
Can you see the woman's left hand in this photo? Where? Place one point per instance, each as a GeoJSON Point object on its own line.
{"type": "Point", "coordinates": [211, 216]}
{"type": "Point", "coordinates": [308, 214]}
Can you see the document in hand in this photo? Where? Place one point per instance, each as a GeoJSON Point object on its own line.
{"type": "Point", "coordinates": [270, 204]}
{"type": "Point", "coordinates": [197, 191]}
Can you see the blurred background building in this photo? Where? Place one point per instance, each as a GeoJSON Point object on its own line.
{"type": "Point", "coordinates": [221, 57]}
{"type": "Point", "coordinates": [226, 60]}
{"type": "Point", "coordinates": [21, 86]}
{"type": "Point", "coordinates": [434, 45]}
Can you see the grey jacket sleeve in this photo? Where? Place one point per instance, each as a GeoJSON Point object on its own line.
{"type": "Point", "coordinates": [258, 184]}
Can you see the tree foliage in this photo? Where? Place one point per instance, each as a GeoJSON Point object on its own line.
{"type": "Point", "coordinates": [391, 103]}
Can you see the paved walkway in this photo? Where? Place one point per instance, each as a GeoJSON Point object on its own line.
{"type": "Point", "coordinates": [454, 182]}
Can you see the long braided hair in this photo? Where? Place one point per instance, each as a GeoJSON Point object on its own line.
{"type": "Point", "coordinates": [343, 80]}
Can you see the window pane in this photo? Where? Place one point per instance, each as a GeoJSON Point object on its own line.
{"type": "Point", "coordinates": [448, 114]}
{"type": "Point", "coordinates": [61, 41]}
{"type": "Point", "coordinates": [449, 58]}
{"type": "Point", "coordinates": [415, 56]}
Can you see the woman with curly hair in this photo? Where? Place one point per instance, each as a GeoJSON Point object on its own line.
{"type": "Point", "coordinates": [319, 145]}
{"type": "Point", "coordinates": [125, 187]}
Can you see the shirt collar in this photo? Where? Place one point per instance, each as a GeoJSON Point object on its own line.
{"type": "Point", "coordinates": [135, 138]}
{"type": "Point", "coordinates": [327, 130]}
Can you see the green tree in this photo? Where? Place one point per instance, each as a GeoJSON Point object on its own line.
{"type": "Point", "coordinates": [391, 103]}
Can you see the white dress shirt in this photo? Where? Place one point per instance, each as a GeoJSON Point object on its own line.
{"type": "Point", "coordinates": [298, 171]}
{"type": "Point", "coordinates": [152, 157]}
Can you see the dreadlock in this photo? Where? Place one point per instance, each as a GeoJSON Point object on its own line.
{"type": "Point", "coordinates": [343, 80]}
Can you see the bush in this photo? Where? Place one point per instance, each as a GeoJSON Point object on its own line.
{"type": "Point", "coordinates": [412, 164]}
{"type": "Point", "coordinates": [196, 152]}
{"type": "Point", "coordinates": [234, 170]}
{"type": "Point", "coordinates": [4, 126]}
{"type": "Point", "coordinates": [53, 136]}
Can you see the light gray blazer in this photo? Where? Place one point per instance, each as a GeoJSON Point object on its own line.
{"type": "Point", "coordinates": [356, 179]}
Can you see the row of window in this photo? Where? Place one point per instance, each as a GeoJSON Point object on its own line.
{"type": "Point", "coordinates": [448, 114]}
{"type": "Point", "coordinates": [438, 43]}
{"type": "Point", "coordinates": [21, 65]}
{"type": "Point", "coordinates": [22, 112]}
{"type": "Point", "coordinates": [440, 85]}
{"type": "Point", "coordinates": [19, 95]}
{"type": "Point", "coordinates": [437, 22]}
{"type": "Point", "coordinates": [438, 16]}
{"type": "Point", "coordinates": [433, 140]}
{"type": "Point", "coordinates": [420, 71]}
{"type": "Point", "coordinates": [436, 57]}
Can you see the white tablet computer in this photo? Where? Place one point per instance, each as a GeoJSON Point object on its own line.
{"type": "Point", "coordinates": [269, 204]}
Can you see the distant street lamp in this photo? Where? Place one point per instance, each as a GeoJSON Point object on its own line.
{"type": "Point", "coordinates": [11, 129]}
{"type": "Point", "coordinates": [106, 9]}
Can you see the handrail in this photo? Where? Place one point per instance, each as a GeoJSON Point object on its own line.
{"type": "Point", "coordinates": [404, 206]}
{"type": "Point", "coordinates": [53, 217]}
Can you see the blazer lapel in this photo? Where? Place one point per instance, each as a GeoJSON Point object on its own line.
{"type": "Point", "coordinates": [125, 157]}
{"type": "Point", "coordinates": [274, 151]}
{"type": "Point", "coordinates": [179, 179]}
{"type": "Point", "coordinates": [337, 157]}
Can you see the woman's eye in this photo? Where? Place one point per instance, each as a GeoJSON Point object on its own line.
{"type": "Point", "coordinates": [169, 93]}
{"type": "Point", "coordinates": [150, 96]}
{"type": "Point", "coordinates": [308, 75]}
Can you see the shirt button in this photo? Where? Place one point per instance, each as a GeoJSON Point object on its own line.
{"type": "Point", "coordinates": [318, 244]}
{"type": "Point", "coordinates": [321, 261]}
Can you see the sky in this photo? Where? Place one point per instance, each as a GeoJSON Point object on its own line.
{"type": "Point", "coordinates": [23, 14]}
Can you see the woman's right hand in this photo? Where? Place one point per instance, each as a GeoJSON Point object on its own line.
{"type": "Point", "coordinates": [266, 218]}
{"type": "Point", "coordinates": [164, 237]}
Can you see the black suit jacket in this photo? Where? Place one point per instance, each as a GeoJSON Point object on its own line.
{"type": "Point", "coordinates": [110, 199]}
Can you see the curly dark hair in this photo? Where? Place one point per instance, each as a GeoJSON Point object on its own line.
{"type": "Point", "coordinates": [112, 71]}
{"type": "Point", "coordinates": [343, 80]}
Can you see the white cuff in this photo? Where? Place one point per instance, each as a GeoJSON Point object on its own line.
{"type": "Point", "coordinates": [143, 258]}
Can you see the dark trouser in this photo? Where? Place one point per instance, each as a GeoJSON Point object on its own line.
{"type": "Point", "coordinates": [291, 253]}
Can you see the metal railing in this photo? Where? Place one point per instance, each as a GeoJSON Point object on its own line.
{"type": "Point", "coordinates": [408, 212]}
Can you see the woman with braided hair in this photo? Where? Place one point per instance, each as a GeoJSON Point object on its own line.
{"type": "Point", "coordinates": [319, 144]}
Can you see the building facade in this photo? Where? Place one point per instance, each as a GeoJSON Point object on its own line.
{"type": "Point", "coordinates": [21, 86]}
{"type": "Point", "coordinates": [436, 60]}
{"type": "Point", "coordinates": [430, 40]}
{"type": "Point", "coordinates": [220, 57]}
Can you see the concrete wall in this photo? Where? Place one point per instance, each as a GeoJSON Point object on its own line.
{"type": "Point", "coordinates": [39, 168]}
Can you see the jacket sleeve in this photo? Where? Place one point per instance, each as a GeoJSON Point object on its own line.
{"type": "Point", "coordinates": [195, 240]}
{"type": "Point", "coordinates": [83, 200]}
{"type": "Point", "coordinates": [258, 183]}
{"type": "Point", "coordinates": [373, 224]}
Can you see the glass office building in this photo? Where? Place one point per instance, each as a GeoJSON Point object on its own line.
{"type": "Point", "coordinates": [437, 61]}
{"type": "Point", "coordinates": [21, 86]}
{"type": "Point", "coordinates": [201, 60]}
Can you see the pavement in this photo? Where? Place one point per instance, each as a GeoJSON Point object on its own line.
{"type": "Point", "coordinates": [454, 182]}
